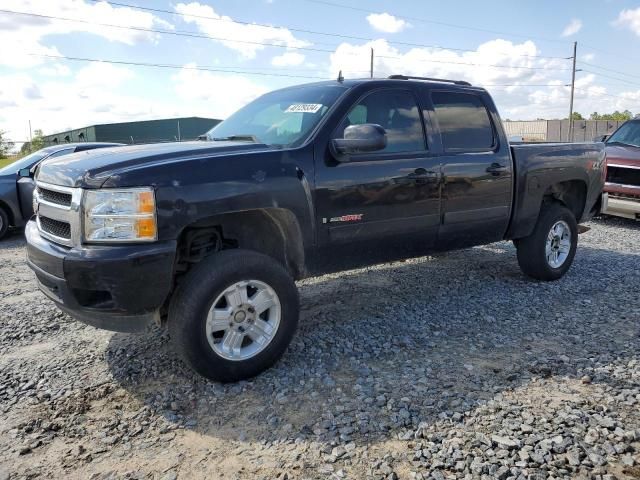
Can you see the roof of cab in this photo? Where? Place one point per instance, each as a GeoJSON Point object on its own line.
{"type": "Point", "coordinates": [63, 146]}
{"type": "Point", "coordinates": [393, 79]}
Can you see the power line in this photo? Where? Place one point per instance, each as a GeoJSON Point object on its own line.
{"type": "Point", "coordinates": [528, 85]}
{"type": "Point", "coordinates": [609, 69]}
{"type": "Point", "coordinates": [611, 84]}
{"type": "Point", "coordinates": [219, 69]}
{"type": "Point", "coordinates": [166, 32]}
{"type": "Point", "coordinates": [312, 32]}
{"type": "Point", "coordinates": [614, 78]}
{"type": "Point", "coordinates": [434, 22]}
{"type": "Point", "coordinates": [481, 64]}
{"type": "Point", "coordinates": [173, 66]}
{"type": "Point", "coordinates": [204, 36]}
{"type": "Point", "coordinates": [607, 95]}
{"type": "Point", "coordinates": [614, 55]}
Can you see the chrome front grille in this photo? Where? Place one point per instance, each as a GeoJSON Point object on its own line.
{"type": "Point", "coordinates": [57, 211]}
{"type": "Point", "coordinates": [55, 227]}
{"type": "Point", "coordinates": [53, 196]}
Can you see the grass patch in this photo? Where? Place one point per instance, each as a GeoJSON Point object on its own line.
{"type": "Point", "coordinates": [6, 161]}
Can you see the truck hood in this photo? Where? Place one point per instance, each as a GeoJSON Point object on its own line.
{"type": "Point", "coordinates": [93, 167]}
{"type": "Point", "coordinates": [622, 155]}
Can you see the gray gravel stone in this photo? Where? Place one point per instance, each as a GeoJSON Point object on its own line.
{"type": "Point", "coordinates": [449, 366]}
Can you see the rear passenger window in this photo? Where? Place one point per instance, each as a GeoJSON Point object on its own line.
{"type": "Point", "coordinates": [397, 112]}
{"type": "Point", "coordinates": [463, 120]}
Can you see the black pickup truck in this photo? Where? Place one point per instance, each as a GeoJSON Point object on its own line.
{"type": "Point", "coordinates": [208, 237]}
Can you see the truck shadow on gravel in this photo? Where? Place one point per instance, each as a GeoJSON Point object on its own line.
{"type": "Point", "coordinates": [382, 349]}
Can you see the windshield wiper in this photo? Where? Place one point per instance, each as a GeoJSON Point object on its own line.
{"type": "Point", "coordinates": [237, 138]}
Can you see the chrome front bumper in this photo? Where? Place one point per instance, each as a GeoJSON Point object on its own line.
{"type": "Point", "coordinates": [621, 206]}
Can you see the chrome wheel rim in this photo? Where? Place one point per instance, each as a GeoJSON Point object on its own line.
{"type": "Point", "coordinates": [243, 320]}
{"type": "Point", "coordinates": [558, 244]}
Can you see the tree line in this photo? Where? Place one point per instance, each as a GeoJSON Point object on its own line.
{"type": "Point", "coordinates": [36, 143]}
{"type": "Point", "coordinates": [616, 116]}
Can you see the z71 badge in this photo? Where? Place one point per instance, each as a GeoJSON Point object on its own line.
{"type": "Point", "coordinates": [344, 218]}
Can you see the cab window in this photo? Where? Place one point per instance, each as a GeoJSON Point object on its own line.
{"type": "Point", "coordinates": [463, 121]}
{"type": "Point", "coordinates": [397, 112]}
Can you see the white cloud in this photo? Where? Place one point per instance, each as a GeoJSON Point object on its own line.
{"type": "Point", "coordinates": [590, 97]}
{"type": "Point", "coordinates": [21, 35]}
{"type": "Point", "coordinates": [629, 19]}
{"type": "Point", "coordinates": [90, 97]}
{"type": "Point", "coordinates": [98, 75]}
{"type": "Point", "coordinates": [588, 57]}
{"type": "Point", "coordinates": [288, 59]}
{"type": "Point", "coordinates": [218, 95]}
{"type": "Point", "coordinates": [222, 27]}
{"type": "Point", "coordinates": [55, 70]}
{"type": "Point", "coordinates": [529, 87]}
{"type": "Point", "coordinates": [383, 22]}
{"type": "Point", "coordinates": [574, 26]}
{"type": "Point", "coordinates": [354, 60]}
{"type": "Point", "coordinates": [103, 93]}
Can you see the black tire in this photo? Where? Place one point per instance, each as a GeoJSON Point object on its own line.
{"type": "Point", "coordinates": [4, 223]}
{"type": "Point", "coordinates": [194, 297]}
{"type": "Point", "coordinates": [531, 250]}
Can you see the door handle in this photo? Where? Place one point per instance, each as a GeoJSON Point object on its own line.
{"type": "Point", "coordinates": [497, 169]}
{"type": "Point", "coordinates": [424, 176]}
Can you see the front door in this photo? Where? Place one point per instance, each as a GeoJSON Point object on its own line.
{"type": "Point", "coordinates": [384, 194]}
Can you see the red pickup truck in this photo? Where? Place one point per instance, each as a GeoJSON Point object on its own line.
{"type": "Point", "coordinates": [621, 195]}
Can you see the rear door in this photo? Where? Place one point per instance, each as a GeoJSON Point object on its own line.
{"type": "Point", "coordinates": [476, 167]}
{"type": "Point", "coordinates": [381, 194]}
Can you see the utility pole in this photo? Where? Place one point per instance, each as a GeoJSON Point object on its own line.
{"type": "Point", "coordinates": [371, 62]}
{"type": "Point", "coordinates": [30, 134]}
{"type": "Point", "coordinates": [573, 88]}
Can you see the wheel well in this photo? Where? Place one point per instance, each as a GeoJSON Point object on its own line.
{"type": "Point", "coordinates": [271, 231]}
{"type": "Point", "coordinates": [4, 207]}
{"type": "Point", "coordinates": [572, 194]}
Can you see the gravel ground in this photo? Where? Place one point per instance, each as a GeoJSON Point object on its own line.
{"type": "Point", "coordinates": [451, 366]}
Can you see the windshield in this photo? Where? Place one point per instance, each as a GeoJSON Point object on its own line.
{"type": "Point", "coordinates": [280, 118]}
{"type": "Point", "coordinates": [24, 162]}
{"type": "Point", "coordinates": [629, 134]}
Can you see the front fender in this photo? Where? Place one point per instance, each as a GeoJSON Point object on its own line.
{"type": "Point", "coordinates": [256, 183]}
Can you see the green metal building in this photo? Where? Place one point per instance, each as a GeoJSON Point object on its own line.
{"type": "Point", "coordinates": [148, 131]}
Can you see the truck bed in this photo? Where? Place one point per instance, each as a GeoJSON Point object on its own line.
{"type": "Point", "coordinates": [537, 166]}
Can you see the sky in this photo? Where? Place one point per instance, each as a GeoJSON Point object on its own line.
{"type": "Point", "coordinates": [216, 55]}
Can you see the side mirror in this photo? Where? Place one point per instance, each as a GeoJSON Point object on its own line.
{"type": "Point", "coordinates": [364, 138]}
{"type": "Point", "coordinates": [24, 172]}
{"type": "Point", "coordinates": [601, 138]}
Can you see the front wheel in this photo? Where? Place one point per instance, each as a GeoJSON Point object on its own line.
{"type": "Point", "coordinates": [4, 223]}
{"type": "Point", "coordinates": [548, 252]}
{"type": "Point", "coordinates": [234, 315]}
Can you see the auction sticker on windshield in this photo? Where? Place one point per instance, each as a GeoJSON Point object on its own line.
{"type": "Point", "coordinates": [304, 108]}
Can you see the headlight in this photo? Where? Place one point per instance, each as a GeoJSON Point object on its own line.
{"type": "Point", "coordinates": [120, 215]}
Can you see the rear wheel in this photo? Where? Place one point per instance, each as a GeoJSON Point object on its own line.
{"type": "Point", "coordinates": [234, 315]}
{"type": "Point", "coordinates": [548, 252]}
{"type": "Point", "coordinates": [4, 223]}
